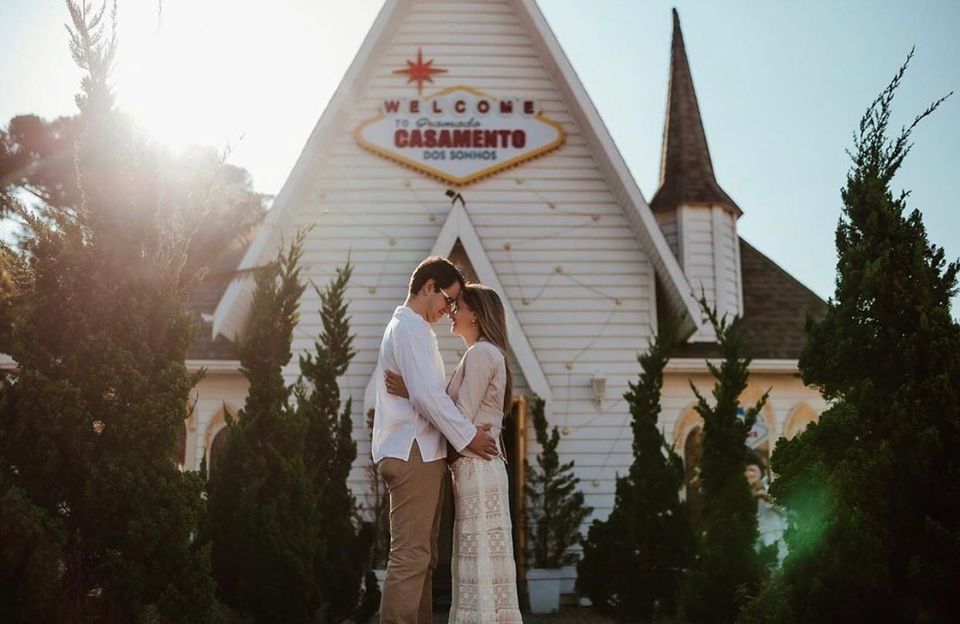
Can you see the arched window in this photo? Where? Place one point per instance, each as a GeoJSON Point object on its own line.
{"type": "Point", "coordinates": [766, 424]}
{"type": "Point", "coordinates": [688, 442]}
{"type": "Point", "coordinates": [763, 448]}
{"type": "Point", "coordinates": [801, 416]}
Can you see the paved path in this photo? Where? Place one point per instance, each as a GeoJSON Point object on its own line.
{"type": "Point", "coordinates": [567, 615]}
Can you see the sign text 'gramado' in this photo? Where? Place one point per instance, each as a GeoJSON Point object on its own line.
{"type": "Point", "coordinates": [459, 134]}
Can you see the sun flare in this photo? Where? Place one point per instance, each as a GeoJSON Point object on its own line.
{"type": "Point", "coordinates": [173, 76]}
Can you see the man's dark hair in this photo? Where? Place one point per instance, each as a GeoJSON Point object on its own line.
{"type": "Point", "coordinates": [439, 269]}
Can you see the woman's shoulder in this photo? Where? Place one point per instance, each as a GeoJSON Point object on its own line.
{"type": "Point", "coordinates": [486, 352]}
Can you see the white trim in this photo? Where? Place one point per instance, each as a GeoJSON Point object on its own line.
{"type": "Point", "coordinates": [681, 239]}
{"type": "Point", "coordinates": [213, 366]}
{"type": "Point", "coordinates": [739, 269]}
{"type": "Point", "coordinates": [231, 313]}
{"type": "Point", "coordinates": [699, 365]}
{"type": "Point", "coordinates": [717, 227]}
{"type": "Point", "coordinates": [487, 275]}
{"type": "Point", "coordinates": [458, 226]}
{"type": "Point", "coordinates": [681, 300]}
{"type": "Point", "coordinates": [704, 333]}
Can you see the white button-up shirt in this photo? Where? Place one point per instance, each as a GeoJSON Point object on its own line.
{"type": "Point", "coordinates": [429, 416]}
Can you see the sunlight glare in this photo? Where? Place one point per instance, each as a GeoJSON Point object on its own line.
{"type": "Point", "coordinates": [241, 74]}
{"type": "Point", "coordinates": [190, 77]}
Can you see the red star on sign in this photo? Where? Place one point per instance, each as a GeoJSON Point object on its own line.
{"type": "Point", "coordinates": [420, 72]}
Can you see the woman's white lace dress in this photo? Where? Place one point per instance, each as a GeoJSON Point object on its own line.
{"type": "Point", "coordinates": [484, 571]}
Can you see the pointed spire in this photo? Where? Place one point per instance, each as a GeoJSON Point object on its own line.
{"type": "Point", "coordinates": [686, 172]}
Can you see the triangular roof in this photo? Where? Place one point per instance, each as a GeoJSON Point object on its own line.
{"type": "Point", "coordinates": [775, 311]}
{"type": "Point", "coordinates": [230, 316]}
{"type": "Point", "coordinates": [686, 171]}
{"type": "Point", "coordinates": [458, 227]}
{"type": "Point", "coordinates": [206, 297]}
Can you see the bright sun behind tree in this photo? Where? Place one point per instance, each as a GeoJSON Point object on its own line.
{"type": "Point", "coordinates": [210, 72]}
{"type": "Point", "coordinates": [170, 63]}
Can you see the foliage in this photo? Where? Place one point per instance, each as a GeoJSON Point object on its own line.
{"type": "Point", "coordinates": [288, 544]}
{"type": "Point", "coordinates": [37, 164]}
{"type": "Point", "coordinates": [37, 158]}
{"type": "Point", "coordinates": [263, 506]}
{"type": "Point", "coordinates": [874, 488]}
{"type": "Point", "coordinates": [379, 510]}
{"type": "Point", "coordinates": [633, 561]}
{"type": "Point", "coordinates": [98, 523]}
{"type": "Point", "coordinates": [556, 508]}
{"type": "Point", "coordinates": [370, 598]}
{"type": "Point", "coordinates": [726, 568]}
{"type": "Point", "coordinates": [330, 451]}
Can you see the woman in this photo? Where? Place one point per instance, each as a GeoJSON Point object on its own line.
{"type": "Point", "coordinates": [484, 572]}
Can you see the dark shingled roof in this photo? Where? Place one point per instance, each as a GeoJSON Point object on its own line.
{"type": "Point", "coordinates": [686, 171]}
{"type": "Point", "coordinates": [776, 307]}
{"type": "Point", "coordinates": [205, 300]}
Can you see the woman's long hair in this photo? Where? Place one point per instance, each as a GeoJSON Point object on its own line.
{"type": "Point", "coordinates": [492, 325]}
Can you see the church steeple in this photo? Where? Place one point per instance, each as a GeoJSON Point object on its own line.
{"type": "Point", "coordinates": [686, 171]}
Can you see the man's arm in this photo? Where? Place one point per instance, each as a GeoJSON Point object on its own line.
{"type": "Point", "coordinates": [414, 355]}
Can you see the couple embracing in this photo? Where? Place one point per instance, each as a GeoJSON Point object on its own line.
{"type": "Point", "coordinates": [420, 425]}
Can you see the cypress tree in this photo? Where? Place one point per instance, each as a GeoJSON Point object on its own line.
{"type": "Point", "coordinates": [98, 523]}
{"type": "Point", "coordinates": [726, 568]}
{"type": "Point", "coordinates": [873, 489]}
{"type": "Point", "coordinates": [263, 506]}
{"type": "Point", "coordinates": [330, 452]}
{"type": "Point", "coordinates": [633, 561]}
{"type": "Point", "coordinates": [556, 508]}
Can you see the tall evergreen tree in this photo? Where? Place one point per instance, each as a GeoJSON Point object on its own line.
{"type": "Point", "coordinates": [263, 506]}
{"type": "Point", "coordinates": [726, 568]}
{"type": "Point", "coordinates": [874, 488]}
{"type": "Point", "coordinates": [633, 561]}
{"type": "Point", "coordinates": [330, 452]}
{"type": "Point", "coordinates": [556, 508]}
{"type": "Point", "coordinates": [98, 523]}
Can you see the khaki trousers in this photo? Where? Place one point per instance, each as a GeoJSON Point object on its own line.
{"type": "Point", "coordinates": [415, 497]}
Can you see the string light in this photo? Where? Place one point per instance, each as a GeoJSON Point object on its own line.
{"type": "Point", "coordinates": [510, 246]}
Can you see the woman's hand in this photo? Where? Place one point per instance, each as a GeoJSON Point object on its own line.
{"type": "Point", "coordinates": [395, 385]}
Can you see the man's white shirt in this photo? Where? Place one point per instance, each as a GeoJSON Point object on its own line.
{"type": "Point", "coordinates": [429, 416]}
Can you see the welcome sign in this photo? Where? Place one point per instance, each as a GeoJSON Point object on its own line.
{"type": "Point", "coordinates": [460, 134]}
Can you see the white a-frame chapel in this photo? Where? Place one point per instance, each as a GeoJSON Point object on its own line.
{"type": "Point", "coordinates": [477, 97]}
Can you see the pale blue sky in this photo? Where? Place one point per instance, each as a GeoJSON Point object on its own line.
{"type": "Point", "coordinates": [782, 85]}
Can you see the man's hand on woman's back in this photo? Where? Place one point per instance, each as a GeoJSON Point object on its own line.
{"type": "Point", "coordinates": [483, 444]}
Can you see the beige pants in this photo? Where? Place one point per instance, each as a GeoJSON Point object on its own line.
{"type": "Point", "coordinates": [415, 497]}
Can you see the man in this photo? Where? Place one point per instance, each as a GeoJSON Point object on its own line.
{"type": "Point", "coordinates": [410, 439]}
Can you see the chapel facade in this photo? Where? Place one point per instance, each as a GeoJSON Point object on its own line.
{"type": "Point", "coordinates": [477, 98]}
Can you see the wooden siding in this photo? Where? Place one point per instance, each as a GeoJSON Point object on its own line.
{"type": "Point", "coordinates": [563, 236]}
{"type": "Point", "coordinates": [709, 254]}
{"type": "Point", "coordinates": [556, 235]}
